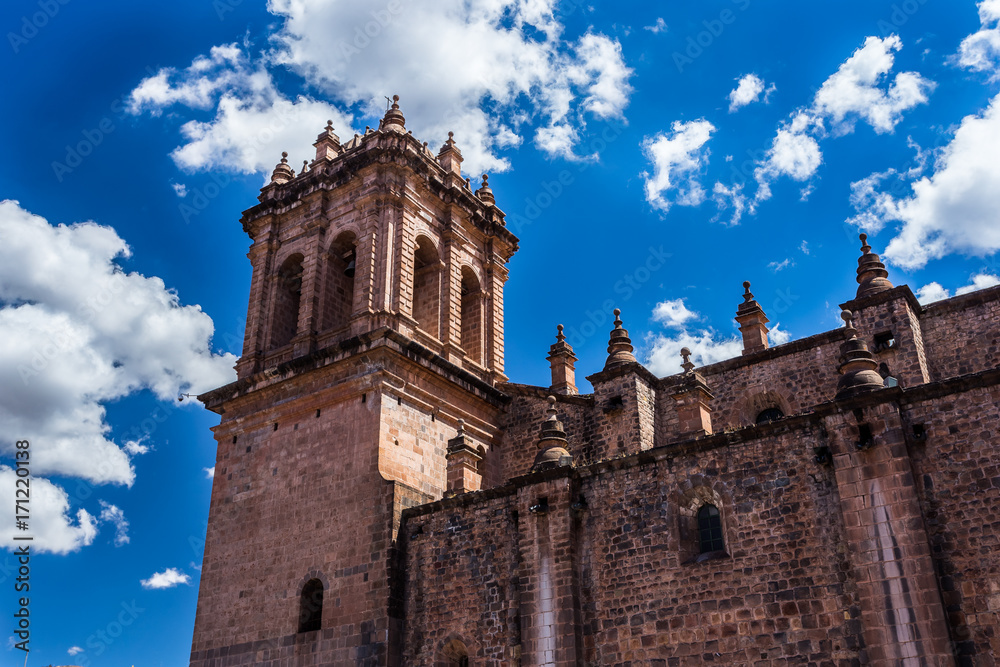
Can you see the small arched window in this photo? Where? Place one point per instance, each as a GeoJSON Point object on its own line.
{"type": "Point", "coordinates": [769, 415]}
{"type": "Point", "coordinates": [427, 286]}
{"type": "Point", "coordinates": [311, 606]}
{"type": "Point", "coordinates": [710, 529]}
{"type": "Point", "coordinates": [472, 316]}
{"type": "Point", "coordinates": [288, 293]}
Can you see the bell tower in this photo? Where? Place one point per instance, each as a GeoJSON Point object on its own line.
{"type": "Point", "coordinates": [374, 335]}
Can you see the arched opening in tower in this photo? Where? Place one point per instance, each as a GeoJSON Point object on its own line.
{"type": "Point", "coordinates": [427, 287]}
{"type": "Point", "coordinates": [338, 293]}
{"type": "Point", "coordinates": [472, 316]}
{"type": "Point", "coordinates": [287, 295]}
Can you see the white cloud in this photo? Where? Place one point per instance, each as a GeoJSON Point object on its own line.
{"type": "Point", "coordinates": [74, 650]}
{"type": "Point", "coordinates": [783, 264]}
{"type": "Point", "coordinates": [804, 248]}
{"type": "Point", "coordinates": [777, 335]}
{"type": "Point", "coordinates": [932, 292]}
{"type": "Point", "coordinates": [78, 332]}
{"type": "Point", "coordinates": [981, 51]}
{"type": "Point", "coordinates": [51, 525]}
{"type": "Point", "coordinates": [935, 292]}
{"type": "Point", "coordinates": [853, 91]}
{"type": "Point", "coordinates": [859, 90]}
{"type": "Point", "coordinates": [167, 579]}
{"type": "Point", "coordinates": [135, 447]}
{"type": "Point", "coordinates": [659, 26]}
{"type": "Point", "coordinates": [210, 472]}
{"type": "Point", "coordinates": [516, 67]}
{"type": "Point", "coordinates": [952, 210]}
{"type": "Point", "coordinates": [179, 189]}
{"type": "Point", "coordinates": [731, 198]}
{"type": "Point", "coordinates": [672, 313]}
{"type": "Point", "coordinates": [980, 281]}
{"type": "Point", "coordinates": [677, 159]}
{"type": "Point", "coordinates": [114, 515]}
{"type": "Point", "coordinates": [748, 91]}
{"type": "Point", "coordinates": [664, 357]}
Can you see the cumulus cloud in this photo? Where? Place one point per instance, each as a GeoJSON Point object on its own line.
{"type": "Point", "coordinates": [672, 313]}
{"type": "Point", "coordinates": [778, 336]}
{"type": "Point", "coordinates": [707, 347]}
{"type": "Point", "coordinates": [114, 515]}
{"type": "Point", "coordinates": [210, 472]}
{"type": "Point", "coordinates": [860, 89]}
{"type": "Point", "coordinates": [980, 51]}
{"type": "Point", "coordinates": [517, 72]}
{"type": "Point", "coordinates": [678, 158]}
{"type": "Point", "coordinates": [935, 292]}
{"type": "Point", "coordinates": [167, 579]}
{"type": "Point", "coordinates": [747, 91]}
{"type": "Point", "coordinates": [53, 525]}
{"type": "Point", "coordinates": [74, 650]}
{"type": "Point", "coordinates": [79, 332]}
{"type": "Point", "coordinates": [952, 210]}
{"type": "Point", "coordinates": [731, 200]}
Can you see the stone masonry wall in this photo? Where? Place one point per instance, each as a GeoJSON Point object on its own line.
{"type": "Point", "coordinates": [957, 472]}
{"type": "Point", "coordinates": [782, 593]}
{"type": "Point", "coordinates": [961, 334]}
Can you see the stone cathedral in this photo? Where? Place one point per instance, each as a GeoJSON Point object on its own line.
{"type": "Point", "coordinates": [385, 495]}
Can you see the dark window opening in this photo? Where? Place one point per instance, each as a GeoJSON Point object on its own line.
{"type": "Point", "coordinates": [865, 437]}
{"type": "Point", "coordinates": [884, 341]}
{"type": "Point", "coordinates": [770, 415]}
{"type": "Point", "coordinates": [919, 432]}
{"type": "Point", "coordinates": [311, 606]}
{"type": "Point", "coordinates": [710, 529]}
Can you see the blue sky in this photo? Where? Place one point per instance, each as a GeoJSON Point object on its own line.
{"type": "Point", "coordinates": [650, 156]}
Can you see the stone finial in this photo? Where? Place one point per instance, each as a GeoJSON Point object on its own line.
{"type": "Point", "coordinates": [282, 172]}
{"type": "Point", "coordinates": [327, 144]}
{"type": "Point", "coordinates": [872, 276]}
{"type": "Point", "coordinates": [563, 363]}
{"type": "Point", "coordinates": [693, 400]}
{"type": "Point", "coordinates": [552, 442]}
{"type": "Point", "coordinates": [450, 157]}
{"type": "Point", "coordinates": [753, 322]}
{"type": "Point", "coordinates": [686, 365]}
{"type": "Point", "coordinates": [463, 461]}
{"type": "Point", "coordinates": [484, 193]}
{"type": "Point", "coordinates": [619, 346]}
{"type": "Point", "coordinates": [857, 365]}
{"type": "Point", "coordinates": [393, 119]}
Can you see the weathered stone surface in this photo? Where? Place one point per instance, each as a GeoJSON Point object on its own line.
{"type": "Point", "coordinates": [742, 513]}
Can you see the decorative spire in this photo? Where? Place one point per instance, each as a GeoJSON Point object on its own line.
{"type": "Point", "coordinates": [858, 367]}
{"type": "Point", "coordinates": [485, 193]}
{"type": "Point", "coordinates": [563, 362]}
{"type": "Point", "coordinates": [282, 172]}
{"type": "Point", "coordinates": [552, 442]}
{"type": "Point", "coordinates": [393, 119]}
{"type": "Point", "coordinates": [619, 346]}
{"type": "Point", "coordinates": [872, 276]}
{"type": "Point", "coordinates": [687, 365]}
{"type": "Point", "coordinates": [450, 157]}
{"type": "Point", "coordinates": [327, 144]}
{"type": "Point", "coordinates": [753, 322]}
